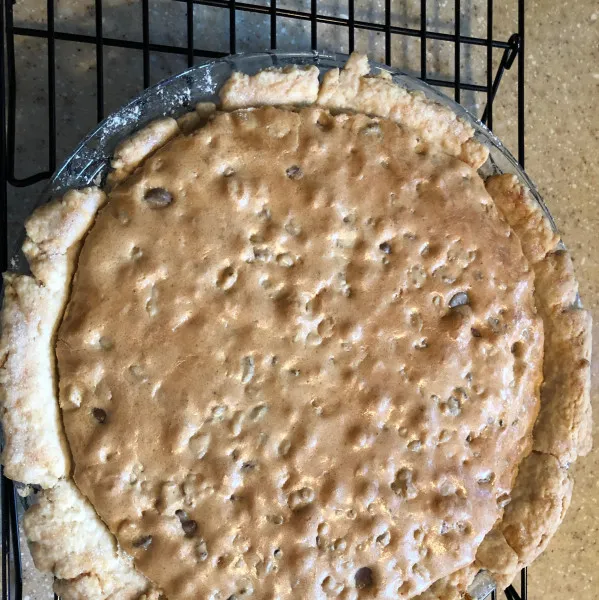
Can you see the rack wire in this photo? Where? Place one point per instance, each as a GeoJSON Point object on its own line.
{"type": "Point", "coordinates": [509, 50]}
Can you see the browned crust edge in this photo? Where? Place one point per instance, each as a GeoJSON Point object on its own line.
{"type": "Point", "coordinates": [563, 426]}
{"type": "Point", "coordinates": [353, 88]}
{"type": "Point", "coordinates": [543, 487]}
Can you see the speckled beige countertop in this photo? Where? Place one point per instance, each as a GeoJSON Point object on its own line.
{"type": "Point", "coordinates": [562, 143]}
{"type": "Point", "coordinates": [562, 134]}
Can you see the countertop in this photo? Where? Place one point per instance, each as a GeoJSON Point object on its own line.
{"type": "Point", "coordinates": [562, 136]}
{"type": "Point", "coordinates": [562, 144]}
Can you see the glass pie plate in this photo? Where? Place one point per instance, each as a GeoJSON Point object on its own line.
{"type": "Point", "coordinates": [90, 162]}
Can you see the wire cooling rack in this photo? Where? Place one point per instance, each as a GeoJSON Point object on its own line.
{"type": "Point", "coordinates": [313, 15]}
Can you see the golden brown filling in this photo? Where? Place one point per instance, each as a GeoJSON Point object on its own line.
{"type": "Point", "coordinates": [300, 360]}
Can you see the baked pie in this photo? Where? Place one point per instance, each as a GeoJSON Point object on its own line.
{"type": "Point", "coordinates": [296, 348]}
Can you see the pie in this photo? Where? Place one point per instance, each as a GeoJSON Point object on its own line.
{"type": "Point", "coordinates": [296, 348]}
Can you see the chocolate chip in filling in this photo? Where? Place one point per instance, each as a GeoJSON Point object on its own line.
{"type": "Point", "coordinates": [99, 414]}
{"type": "Point", "coordinates": [158, 197]}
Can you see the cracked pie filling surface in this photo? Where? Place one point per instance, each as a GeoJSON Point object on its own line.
{"type": "Point", "coordinates": [297, 349]}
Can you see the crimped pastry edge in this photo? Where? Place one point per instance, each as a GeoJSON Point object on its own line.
{"type": "Point", "coordinates": [341, 91]}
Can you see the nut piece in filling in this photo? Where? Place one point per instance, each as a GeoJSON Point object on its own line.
{"type": "Point", "coordinates": [315, 394]}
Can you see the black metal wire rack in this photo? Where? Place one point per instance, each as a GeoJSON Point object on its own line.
{"type": "Point", "coordinates": [275, 11]}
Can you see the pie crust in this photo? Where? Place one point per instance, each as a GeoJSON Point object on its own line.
{"type": "Point", "coordinates": [35, 450]}
{"type": "Point", "coordinates": [66, 535]}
